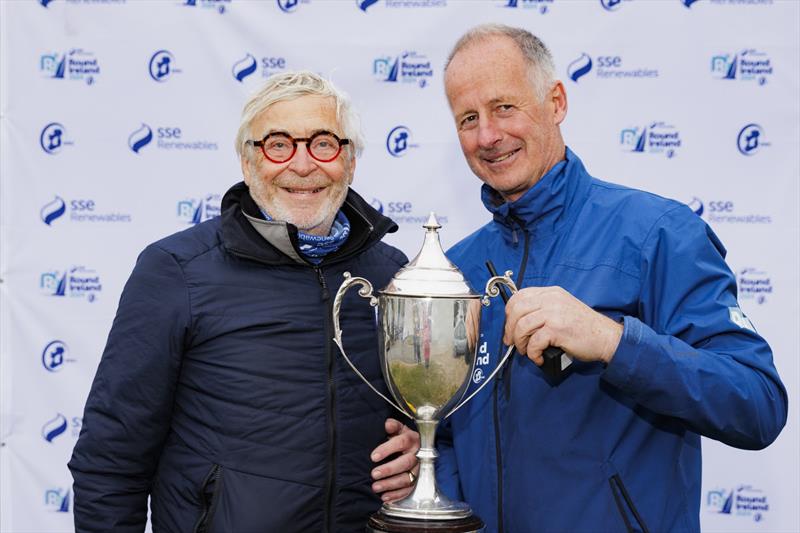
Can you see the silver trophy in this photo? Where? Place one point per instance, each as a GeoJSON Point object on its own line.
{"type": "Point", "coordinates": [428, 319]}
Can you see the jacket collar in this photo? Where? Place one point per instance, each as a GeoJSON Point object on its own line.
{"type": "Point", "coordinates": [245, 233]}
{"type": "Point", "coordinates": [549, 205]}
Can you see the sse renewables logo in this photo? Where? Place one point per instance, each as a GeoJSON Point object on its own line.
{"type": "Point", "coordinates": [607, 67]}
{"type": "Point", "coordinates": [79, 210]}
{"type": "Point", "coordinates": [248, 65]}
{"type": "Point", "coordinates": [364, 5]}
{"type": "Point", "coordinates": [168, 138]}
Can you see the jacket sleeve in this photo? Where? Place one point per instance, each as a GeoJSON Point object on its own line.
{"type": "Point", "coordinates": [691, 353]}
{"type": "Point", "coordinates": [128, 412]}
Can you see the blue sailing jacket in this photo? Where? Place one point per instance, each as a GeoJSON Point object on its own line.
{"type": "Point", "coordinates": [611, 448]}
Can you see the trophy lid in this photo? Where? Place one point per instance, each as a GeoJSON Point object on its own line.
{"type": "Point", "coordinates": [430, 273]}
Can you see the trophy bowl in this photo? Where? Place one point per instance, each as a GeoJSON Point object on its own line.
{"type": "Point", "coordinates": [428, 322]}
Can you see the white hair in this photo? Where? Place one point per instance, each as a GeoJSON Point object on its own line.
{"type": "Point", "coordinates": [294, 84]}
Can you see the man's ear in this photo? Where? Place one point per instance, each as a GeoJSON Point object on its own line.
{"type": "Point", "coordinates": [558, 96]}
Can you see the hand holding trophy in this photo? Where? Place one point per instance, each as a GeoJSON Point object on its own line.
{"type": "Point", "coordinates": [428, 320]}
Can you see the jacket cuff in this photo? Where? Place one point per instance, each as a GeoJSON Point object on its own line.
{"type": "Point", "coordinates": [624, 369]}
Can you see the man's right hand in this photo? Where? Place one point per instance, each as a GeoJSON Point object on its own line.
{"type": "Point", "coordinates": [392, 479]}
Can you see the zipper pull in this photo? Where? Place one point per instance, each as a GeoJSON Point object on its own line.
{"type": "Point", "coordinates": [514, 237]}
{"type": "Point", "coordinates": [326, 295]}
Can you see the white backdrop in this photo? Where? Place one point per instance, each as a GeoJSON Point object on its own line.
{"type": "Point", "coordinates": [118, 118]}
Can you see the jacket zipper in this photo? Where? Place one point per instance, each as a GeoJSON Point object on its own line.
{"type": "Point", "coordinates": [208, 501]}
{"type": "Point", "coordinates": [499, 458]}
{"type": "Point", "coordinates": [520, 276]}
{"type": "Point", "coordinates": [506, 382]}
{"type": "Point", "coordinates": [618, 490]}
{"type": "Point", "coordinates": [329, 487]}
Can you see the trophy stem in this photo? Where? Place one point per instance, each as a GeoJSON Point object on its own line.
{"type": "Point", "coordinates": [425, 489]}
{"type": "Point", "coordinates": [426, 502]}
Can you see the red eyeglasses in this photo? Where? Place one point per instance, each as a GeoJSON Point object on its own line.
{"type": "Point", "coordinates": [280, 147]}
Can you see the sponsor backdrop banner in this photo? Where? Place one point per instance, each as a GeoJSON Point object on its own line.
{"type": "Point", "coordinates": [118, 119]}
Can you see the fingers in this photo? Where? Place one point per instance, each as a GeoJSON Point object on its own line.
{"type": "Point", "coordinates": [391, 478]}
{"type": "Point", "coordinates": [520, 304]}
{"type": "Point", "coordinates": [401, 440]}
{"type": "Point", "coordinates": [391, 487]}
{"type": "Point", "coordinates": [537, 344]}
{"type": "Point", "coordinates": [392, 426]}
{"type": "Point", "coordinates": [395, 495]}
{"type": "Point", "coordinates": [399, 465]}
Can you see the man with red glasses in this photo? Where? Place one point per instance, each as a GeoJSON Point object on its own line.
{"type": "Point", "coordinates": [220, 394]}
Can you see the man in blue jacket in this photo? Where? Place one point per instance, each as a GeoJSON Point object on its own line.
{"type": "Point", "coordinates": [634, 287]}
{"type": "Point", "coordinates": [220, 395]}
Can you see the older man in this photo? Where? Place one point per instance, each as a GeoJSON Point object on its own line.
{"type": "Point", "coordinates": [633, 286]}
{"type": "Point", "coordinates": [220, 394]}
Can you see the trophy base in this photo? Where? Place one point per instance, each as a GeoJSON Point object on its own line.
{"type": "Point", "coordinates": [382, 523]}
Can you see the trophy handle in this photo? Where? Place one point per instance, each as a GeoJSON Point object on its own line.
{"type": "Point", "coordinates": [492, 290]}
{"type": "Point", "coordinates": [365, 292]}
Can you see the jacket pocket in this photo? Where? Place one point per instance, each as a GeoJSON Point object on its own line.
{"type": "Point", "coordinates": [625, 506]}
{"type": "Point", "coordinates": [209, 495]}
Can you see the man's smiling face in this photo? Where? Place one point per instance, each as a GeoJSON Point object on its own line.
{"type": "Point", "coordinates": [302, 191]}
{"type": "Point", "coordinates": [509, 136]}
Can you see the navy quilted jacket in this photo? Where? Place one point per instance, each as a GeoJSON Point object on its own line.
{"type": "Point", "coordinates": [220, 393]}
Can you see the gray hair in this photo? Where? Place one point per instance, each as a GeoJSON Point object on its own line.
{"type": "Point", "coordinates": [294, 84]}
{"type": "Point", "coordinates": [541, 69]}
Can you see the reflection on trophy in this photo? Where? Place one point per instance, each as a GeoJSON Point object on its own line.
{"type": "Point", "coordinates": [428, 319]}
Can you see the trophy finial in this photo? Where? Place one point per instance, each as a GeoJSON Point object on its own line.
{"type": "Point", "coordinates": [432, 224]}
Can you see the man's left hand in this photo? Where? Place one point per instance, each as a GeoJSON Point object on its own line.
{"type": "Point", "coordinates": [538, 317]}
{"type": "Point", "coordinates": [392, 479]}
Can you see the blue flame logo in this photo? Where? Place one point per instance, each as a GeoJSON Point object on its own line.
{"type": "Point", "coordinates": [53, 210]}
{"type": "Point", "coordinates": [696, 205]}
{"type": "Point", "coordinates": [749, 139]}
{"type": "Point", "coordinates": [688, 3]}
{"type": "Point", "coordinates": [45, 2]}
{"type": "Point", "coordinates": [287, 6]}
{"type": "Point", "coordinates": [397, 142]}
{"type": "Point", "coordinates": [140, 138]}
{"type": "Point", "coordinates": [55, 427]}
{"type": "Point", "coordinates": [53, 355]}
{"type": "Point", "coordinates": [580, 67]}
{"type": "Point", "coordinates": [363, 5]}
{"type": "Point", "coordinates": [161, 65]}
{"type": "Point", "coordinates": [610, 5]}
{"type": "Point", "coordinates": [52, 138]}
{"type": "Point", "coordinates": [244, 67]}
{"type": "Point", "coordinates": [377, 204]}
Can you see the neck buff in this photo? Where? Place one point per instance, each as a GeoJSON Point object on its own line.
{"type": "Point", "coordinates": [315, 247]}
